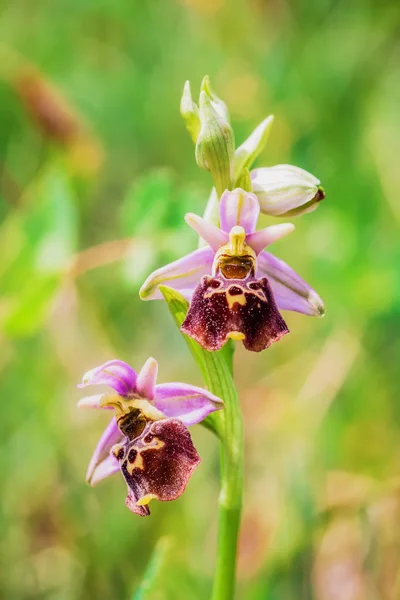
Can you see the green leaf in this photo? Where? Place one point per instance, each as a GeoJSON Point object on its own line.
{"type": "Point", "coordinates": [215, 367]}
{"type": "Point", "coordinates": [154, 568]}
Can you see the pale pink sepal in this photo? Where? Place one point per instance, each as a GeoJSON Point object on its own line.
{"type": "Point", "coordinates": [263, 238]}
{"type": "Point", "coordinates": [291, 292]}
{"type": "Point", "coordinates": [185, 402]}
{"type": "Point", "coordinates": [183, 275]}
{"type": "Point", "coordinates": [111, 436]}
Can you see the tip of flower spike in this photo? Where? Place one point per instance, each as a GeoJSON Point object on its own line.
{"type": "Point", "coordinates": [190, 112]}
{"type": "Point", "coordinates": [206, 86]}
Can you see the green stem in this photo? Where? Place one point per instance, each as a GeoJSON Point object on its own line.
{"type": "Point", "coordinates": [230, 500]}
{"type": "Point", "coordinates": [216, 370]}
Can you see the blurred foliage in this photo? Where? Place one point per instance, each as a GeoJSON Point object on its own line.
{"type": "Point", "coordinates": [96, 174]}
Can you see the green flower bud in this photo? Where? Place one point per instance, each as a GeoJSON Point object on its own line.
{"type": "Point", "coordinates": [217, 103]}
{"type": "Point", "coordinates": [215, 147]}
{"type": "Point", "coordinates": [244, 181]}
{"type": "Point", "coordinates": [190, 113]}
{"type": "Point", "coordinates": [247, 153]}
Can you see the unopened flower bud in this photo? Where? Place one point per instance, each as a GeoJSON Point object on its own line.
{"type": "Point", "coordinates": [244, 181]}
{"type": "Point", "coordinates": [284, 190]}
{"type": "Point", "coordinates": [215, 147]}
{"type": "Point", "coordinates": [190, 113]}
{"type": "Point", "coordinates": [247, 153]}
{"type": "Point", "coordinates": [217, 103]}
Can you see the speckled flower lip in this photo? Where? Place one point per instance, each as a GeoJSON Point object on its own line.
{"type": "Point", "coordinates": [235, 287]}
{"type": "Point", "coordinates": [147, 439]}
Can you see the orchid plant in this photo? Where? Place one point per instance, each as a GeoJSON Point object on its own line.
{"type": "Point", "coordinates": [229, 289]}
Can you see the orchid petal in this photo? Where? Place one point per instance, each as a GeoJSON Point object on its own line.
{"type": "Point", "coordinates": [110, 437]}
{"type": "Point", "coordinates": [239, 208]}
{"type": "Point", "coordinates": [188, 403]}
{"type": "Point", "coordinates": [96, 401]}
{"type": "Point", "coordinates": [214, 237]}
{"type": "Point", "coordinates": [114, 373]}
{"type": "Point", "coordinates": [107, 467]}
{"type": "Point", "coordinates": [290, 290]}
{"type": "Point", "coordinates": [182, 275]}
{"type": "Point", "coordinates": [147, 378]}
{"type": "Point", "coordinates": [263, 238]}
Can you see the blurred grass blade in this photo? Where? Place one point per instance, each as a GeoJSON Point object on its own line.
{"type": "Point", "coordinates": [40, 240]}
{"type": "Point", "coordinates": [156, 564]}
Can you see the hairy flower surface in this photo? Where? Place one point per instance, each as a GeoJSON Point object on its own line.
{"type": "Point", "coordinates": [236, 288]}
{"type": "Point", "coordinates": [147, 439]}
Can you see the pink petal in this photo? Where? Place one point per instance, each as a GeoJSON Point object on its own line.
{"type": "Point", "coordinates": [182, 275]}
{"type": "Point", "coordinates": [147, 378]}
{"type": "Point", "coordinates": [188, 403]}
{"type": "Point", "coordinates": [111, 436]}
{"type": "Point", "coordinates": [91, 401]}
{"type": "Point", "coordinates": [109, 466]}
{"type": "Point", "coordinates": [263, 238]}
{"type": "Point", "coordinates": [114, 373]}
{"type": "Point", "coordinates": [239, 208]}
{"type": "Point", "coordinates": [214, 237]}
{"type": "Point", "coordinates": [291, 292]}
{"type": "Point", "coordinates": [96, 401]}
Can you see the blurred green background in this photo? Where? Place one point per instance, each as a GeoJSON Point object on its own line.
{"type": "Point", "coordinates": [96, 174]}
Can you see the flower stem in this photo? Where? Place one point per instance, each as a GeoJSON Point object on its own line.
{"type": "Point", "coordinates": [216, 369]}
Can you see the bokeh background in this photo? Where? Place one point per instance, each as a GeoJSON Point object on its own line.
{"type": "Point", "coordinates": [96, 174]}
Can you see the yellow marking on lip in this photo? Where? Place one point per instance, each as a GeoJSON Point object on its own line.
{"type": "Point", "coordinates": [137, 464]}
{"type": "Point", "coordinates": [146, 499]}
{"type": "Point", "coordinates": [237, 336]}
{"type": "Point", "coordinates": [239, 298]}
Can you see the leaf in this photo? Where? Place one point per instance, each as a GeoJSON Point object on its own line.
{"type": "Point", "coordinates": [214, 366]}
{"type": "Point", "coordinates": [155, 566]}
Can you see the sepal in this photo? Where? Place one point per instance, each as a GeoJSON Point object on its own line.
{"type": "Point", "coordinates": [247, 153]}
{"type": "Point", "coordinates": [190, 113]}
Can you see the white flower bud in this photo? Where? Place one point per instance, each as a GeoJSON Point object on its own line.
{"type": "Point", "coordinates": [284, 190]}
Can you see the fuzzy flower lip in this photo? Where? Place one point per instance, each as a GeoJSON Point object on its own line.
{"type": "Point", "coordinates": [237, 209]}
{"type": "Point", "coordinates": [147, 440]}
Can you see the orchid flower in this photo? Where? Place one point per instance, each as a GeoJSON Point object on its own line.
{"type": "Point", "coordinates": [147, 439]}
{"type": "Point", "coordinates": [234, 286]}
